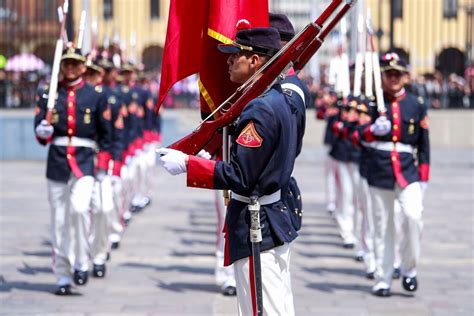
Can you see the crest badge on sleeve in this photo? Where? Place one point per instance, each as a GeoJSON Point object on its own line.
{"type": "Point", "coordinates": [249, 137]}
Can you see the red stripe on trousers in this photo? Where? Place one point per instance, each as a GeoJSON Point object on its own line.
{"type": "Point", "coordinates": [252, 286]}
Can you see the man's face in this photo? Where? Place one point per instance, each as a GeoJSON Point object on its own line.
{"type": "Point", "coordinates": [72, 69]}
{"type": "Point", "coordinates": [241, 66]}
{"type": "Point", "coordinates": [93, 77]}
{"type": "Point", "coordinates": [393, 81]}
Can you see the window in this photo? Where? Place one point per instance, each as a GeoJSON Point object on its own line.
{"type": "Point", "coordinates": [155, 9]}
{"type": "Point", "coordinates": [450, 9]}
{"type": "Point", "coordinates": [397, 9]}
{"type": "Point", "coordinates": [108, 9]}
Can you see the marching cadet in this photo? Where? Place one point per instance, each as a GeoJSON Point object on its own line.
{"type": "Point", "coordinates": [347, 157]}
{"type": "Point", "coordinates": [102, 199]}
{"type": "Point", "coordinates": [363, 223]}
{"type": "Point", "coordinates": [262, 158]}
{"type": "Point", "coordinates": [398, 169]}
{"type": "Point", "coordinates": [132, 96]}
{"type": "Point", "coordinates": [327, 110]}
{"type": "Point", "coordinates": [80, 122]}
{"type": "Point", "coordinates": [298, 95]}
{"type": "Point", "coordinates": [149, 143]}
{"type": "Point", "coordinates": [119, 111]}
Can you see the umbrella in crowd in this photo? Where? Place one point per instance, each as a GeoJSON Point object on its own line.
{"type": "Point", "coordinates": [24, 62]}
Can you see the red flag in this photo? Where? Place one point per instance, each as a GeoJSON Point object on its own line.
{"type": "Point", "coordinates": [214, 83]}
{"type": "Point", "coordinates": [182, 52]}
{"type": "Point", "coordinates": [195, 28]}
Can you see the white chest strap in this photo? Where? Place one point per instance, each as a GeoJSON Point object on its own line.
{"type": "Point", "coordinates": [294, 88]}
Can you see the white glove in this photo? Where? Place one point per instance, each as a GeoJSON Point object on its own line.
{"type": "Point", "coordinates": [44, 130]}
{"type": "Point", "coordinates": [204, 154]}
{"type": "Point", "coordinates": [381, 126]}
{"type": "Point", "coordinates": [423, 186]}
{"type": "Point", "coordinates": [100, 175]}
{"type": "Point", "coordinates": [174, 161]}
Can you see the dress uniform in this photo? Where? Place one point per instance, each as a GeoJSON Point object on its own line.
{"type": "Point", "coordinates": [80, 124]}
{"type": "Point", "coordinates": [262, 158]}
{"type": "Point", "coordinates": [330, 113]}
{"type": "Point", "coordinates": [398, 169]}
{"type": "Point", "coordinates": [299, 97]}
{"type": "Point", "coordinates": [133, 127]}
{"type": "Point", "coordinates": [364, 226]}
{"type": "Point", "coordinates": [119, 112]}
{"type": "Point", "coordinates": [347, 158]}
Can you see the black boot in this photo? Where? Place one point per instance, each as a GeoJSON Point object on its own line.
{"type": "Point", "coordinates": [63, 290]}
{"type": "Point", "coordinates": [410, 284]}
{"type": "Point", "coordinates": [98, 270]}
{"type": "Point", "coordinates": [81, 277]}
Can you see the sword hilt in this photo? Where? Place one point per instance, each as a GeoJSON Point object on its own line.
{"type": "Point", "coordinates": [255, 229]}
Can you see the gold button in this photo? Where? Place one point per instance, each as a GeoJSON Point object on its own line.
{"type": "Point", "coordinates": [71, 94]}
{"type": "Point", "coordinates": [394, 138]}
{"type": "Point", "coordinates": [70, 104]}
{"type": "Point", "coordinates": [395, 115]}
{"type": "Point", "coordinates": [395, 127]}
{"type": "Point", "coordinates": [394, 158]}
{"type": "Point", "coordinates": [69, 117]}
{"type": "Point", "coordinates": [69, 131]}
{"type": "Point", "coordinates": [69, 156]}
{"type": "Point", "coordinates": [88, 110]}
{"type": "Point", "coordinates": [395, 105]}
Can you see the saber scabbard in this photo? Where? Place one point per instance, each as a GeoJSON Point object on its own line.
{"type": "Point", "coordinates": [255, 239]}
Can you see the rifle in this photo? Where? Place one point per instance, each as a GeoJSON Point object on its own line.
{"type": "Point", "coordinates": [82, 28]}
{"type": "Point", "coordinates": [376, 70]}
{"type": "Point", "coordinates": [53, 86]}
{"type": "Point", "coordinates": [296, 53]}
{"type": "Point", "coordinates": [359, 64]}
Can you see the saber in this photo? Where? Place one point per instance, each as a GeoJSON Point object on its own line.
{"type": "Point", "coordinates": [255, 239]}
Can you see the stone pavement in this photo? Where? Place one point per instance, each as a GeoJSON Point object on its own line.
{"type": "Point", "coordinates": [165, 263]}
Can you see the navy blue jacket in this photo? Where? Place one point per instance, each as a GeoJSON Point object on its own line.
{"type": "Point", "coordinates": [80, 111]}
{"type": "Point", "coordinates": [409, 126]}
{"type": "Point", "coordinates": [114, 99]}
{"type": "Point", "coordinates": [262, 158]}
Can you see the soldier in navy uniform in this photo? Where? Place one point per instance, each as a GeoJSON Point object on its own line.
{"type": "Point", "coordinates": [262, 158]}
{"type": "Point", "coordinates": [299, 97]}
{"type": "Point", "coordinates": [347, 157]}
{"type": "Point", "coordinates": [79, 126]}
{"type": "Point", "coordinates": [398, 170]}
{"type": "Point", "coordinates": [119, 111]}
{"type": "Point", "coordinates": [328, 110]}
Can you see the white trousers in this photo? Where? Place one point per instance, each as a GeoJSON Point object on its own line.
{"type": "Point", "coordinates": [331, 182]}
{"type": "Point", "coordinates": [142, 176]}
{"type": "Point", "coordinates": [345, 211]}
{"type": "Point", "coordinates": [411, 205]}
{"type": "Point", "coordinates": [70, 219]}
{"type": "Point", "coordinates": [276, 283]}
{"type": "Point", "coordinates": [365, 225]}
{"type": "Point", "coordinates": [224, 275]}
{"type": "Point", "coordinates": [102, 208]}
{"type": "Point", "coordinates": [115, 219]}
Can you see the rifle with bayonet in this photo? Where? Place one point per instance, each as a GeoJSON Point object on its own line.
{"type": "Point", "coordinates": [296, 53]}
